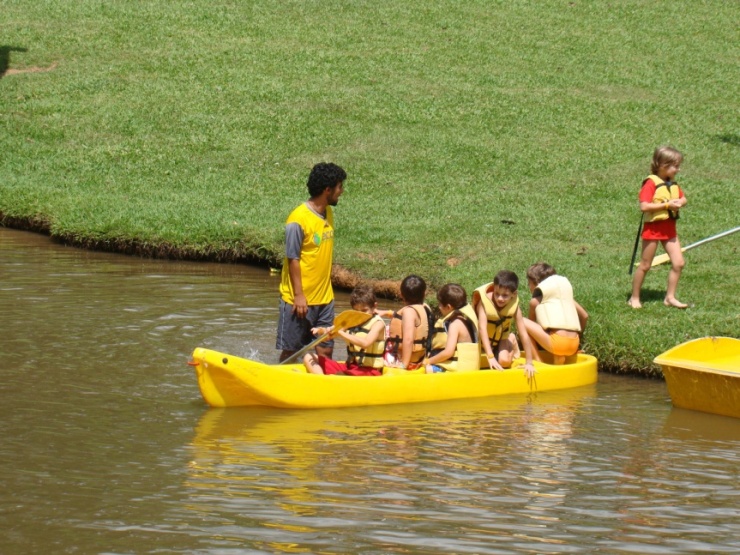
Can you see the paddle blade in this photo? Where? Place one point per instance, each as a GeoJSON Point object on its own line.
{"type": "Point", "coordinates": [662, 259]}
{"type": "Point", "coordinates": [350, 319]}
{"type": "Point", "coordinates": [342, 321]}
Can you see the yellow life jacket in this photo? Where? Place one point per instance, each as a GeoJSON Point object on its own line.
{"type": "Point", "coordinates": [663, 193]}
{"type": "Point", "coordinates": [467, 354]}
{"type": "Point", "coordinates": [421, 333]}
{"type": "Point", "coordinates": [557, 309]}
{"type": "Point", "coordinates": [371, 356]}
{"type": "Point", "coordinates": [499, 321]}
{"type": "Point", "coordinates": [315, 258]}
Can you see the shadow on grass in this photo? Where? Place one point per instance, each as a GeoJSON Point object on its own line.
{"type": "Point", "coordinates": [729, 138]}
{"type": "Point", "coordinates": [650, 295]}
{"type": "Point", "coordinates": [5, 57]}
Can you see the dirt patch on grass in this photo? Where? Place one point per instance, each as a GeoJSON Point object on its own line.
{"type": "Point", "coordinates": [345, 279]}
{"type": "Point", "coordinates": [33, 69]}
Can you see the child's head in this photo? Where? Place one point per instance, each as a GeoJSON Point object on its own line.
{"type": "Point", "coordinates": [505, 285]}
{"type": "Point", "coordinates": [413, 289]}
{"type": "Point", "coordinates": [451, 296]}
{"type": "Point", "coordinates": [363, 299]}
{"type": "Point", "coordinates": [663, 157]}
{"type": "Point", "coordinates": [507, 279]}
{"type": "Point", "coordinates": [539, 272]}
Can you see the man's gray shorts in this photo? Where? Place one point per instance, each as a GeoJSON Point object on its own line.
{"type": "Point", "coordinates": [294, 333]}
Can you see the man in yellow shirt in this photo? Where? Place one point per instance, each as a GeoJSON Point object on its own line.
{"type": "Point", "coordinates": [306, 294]}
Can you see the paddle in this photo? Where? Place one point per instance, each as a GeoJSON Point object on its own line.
{"type": "Point", "coordinates": [637, 242]}
{"type": "Point", "coordinates": [664, 257]}
{"type": "Point", "coordinates": [342, 321]}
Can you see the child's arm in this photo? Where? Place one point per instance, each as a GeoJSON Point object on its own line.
{"type": "Point", "coordinates": [363, 342]}
{"type": "Point", "coordinates": [672, 204]}
{"type": "Point", "coordinates": [529, 369]}
{"type": "Point", "coordinates": [653, 206]}
{"type": "Point", "coordinates": [533, 304]}
{"type": "Point", "coordinates": [311, 362]}
{"type": "Point", "coordinates": [485, 341]}
{"type": "Point", "coordinates": [582, 317]}
{"type": "Point", "coordinates": [384, 313]}
{"type": "Point", "coordinates": [408, 328]}
{"type": "Point", "coordinates": [452, 337]}
{"type": "Point", "coordinates": [646, 198]}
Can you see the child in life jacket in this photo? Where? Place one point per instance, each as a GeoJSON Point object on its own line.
{"type": "Point", "coordinates": [556, 321]}
{"type": "Point", "coordinates": [497, 307]}
{"type": "Point", "coordinates": [660, 200]}
{"type": "Point", "coordinates": [454, 344]}
{"type": "Point", "coordinates": [365, 343]}
{"type": "Point", "coordinates": [408, 331]}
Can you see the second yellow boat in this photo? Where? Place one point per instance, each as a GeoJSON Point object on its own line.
{"type": "Point", "coordinates": [704, 374]}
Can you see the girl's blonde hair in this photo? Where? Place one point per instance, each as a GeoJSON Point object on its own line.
{"type": "Point", "coordinates": [665, 156]}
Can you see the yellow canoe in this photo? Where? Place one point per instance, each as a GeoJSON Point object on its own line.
{"type": "Point", "coordinates": [704, 374]}
{"type": "Point", "coordinates": [229, 381]}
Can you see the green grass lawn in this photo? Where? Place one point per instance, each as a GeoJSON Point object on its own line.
{"type": "Point", "coordinates": [477, 136]}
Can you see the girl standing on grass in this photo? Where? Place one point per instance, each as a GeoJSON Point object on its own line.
{"type": "Point", "coordinates": [660, 200]}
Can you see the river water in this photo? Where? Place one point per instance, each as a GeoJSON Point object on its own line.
{"type": "Point", "coordinates": [108, 447]}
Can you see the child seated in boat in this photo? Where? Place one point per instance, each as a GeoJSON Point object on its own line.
{"type": "Point", "coordinates": [556, 321]}
{"type": "Point", "coordinates": [365, 343]}
{"type": "Point", "coordinates": [455, 346]}
{"type": "Point", "coordinates": [408, 330]}
{"type": "Point", "coordinates": [496, 305]}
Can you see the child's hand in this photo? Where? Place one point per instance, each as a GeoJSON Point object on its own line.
{"type": "Point", "coordinates": [493, 364]}
{"type": "Point", "coordinates": [321, 331]}
{"type": "Point", "coordinates": [529, 370]}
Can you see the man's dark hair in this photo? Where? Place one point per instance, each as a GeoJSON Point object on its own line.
{"type": "Point", "coordinates": [323, 175]}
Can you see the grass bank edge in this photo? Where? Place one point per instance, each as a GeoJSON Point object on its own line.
{"type": "Point", "coordinates": [625, 354]}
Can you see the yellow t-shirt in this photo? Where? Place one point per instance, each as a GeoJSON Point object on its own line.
{"type": "Point", "coordinates": [315, 256]}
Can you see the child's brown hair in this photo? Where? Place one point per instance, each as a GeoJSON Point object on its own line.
{"type": "Point", "coordinates": [507, 279]}
{"type": "Point", "coordinates": [413, 289]}
{"type": "Point", "coordinates": [665, 156]}
{"type": "Point", "coordinates": [539, 272]}
{"type": "Point", "coordinates": [363, 294]}
{"type": "Point", "coordinates": [452, 294]}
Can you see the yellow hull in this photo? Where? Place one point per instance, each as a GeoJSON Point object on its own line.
{"type": "Point", "coordinates": [704, 374]}
{"type": "Point", "coordinates": [229, 381]}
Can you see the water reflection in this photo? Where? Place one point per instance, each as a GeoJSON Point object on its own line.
{"type": "Point", "coordinates": [700, 427]}
{"type": "Point", "coordinates": [398, 476]}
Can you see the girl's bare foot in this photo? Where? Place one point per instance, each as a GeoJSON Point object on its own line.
{"type": "Point", "coordinates": [675, 303]}
{"type": "Point", "coordinates": [634, 303]}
